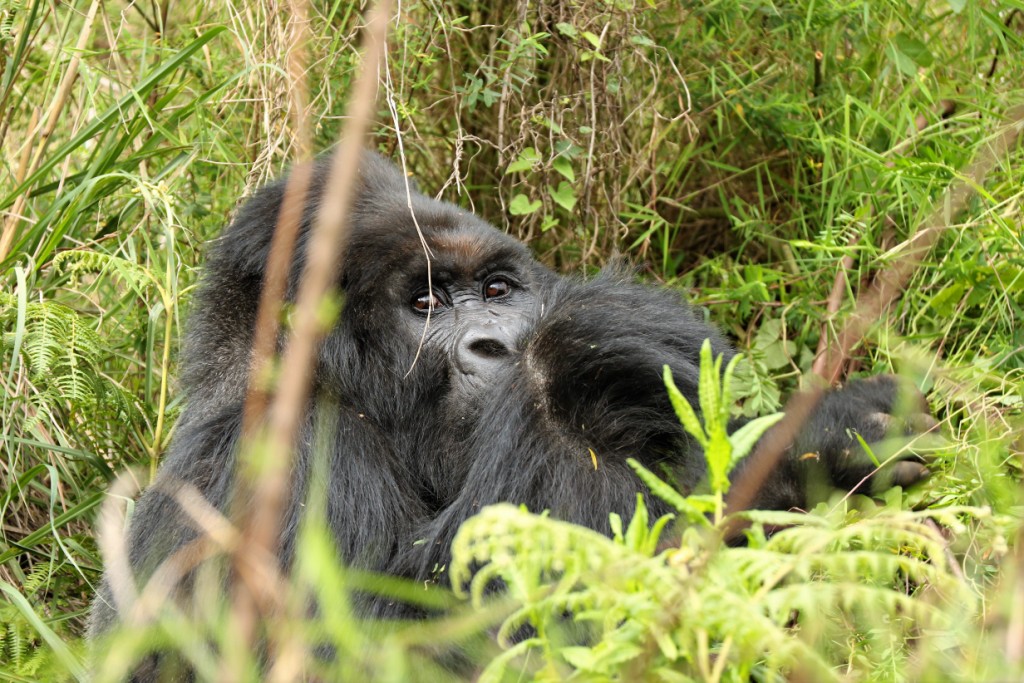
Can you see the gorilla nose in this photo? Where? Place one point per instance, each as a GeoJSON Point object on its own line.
{"type": "Point", "coordinates": [488, 347]}
{"type": "Point", "coordinates": [483, 348]}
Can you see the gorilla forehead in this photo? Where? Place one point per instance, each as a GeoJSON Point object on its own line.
{"type": "Point", "coordinates": [387, 245]}
{"type": "Point", "coordinates": [383, 241]}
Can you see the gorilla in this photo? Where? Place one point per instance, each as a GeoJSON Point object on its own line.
{"type": "Point", "coordinates": [498, 382]}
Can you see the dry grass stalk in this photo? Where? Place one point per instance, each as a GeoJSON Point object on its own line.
{"type": "Point", "coordinates": [43, 136]}
{"type": "Point", "coordinates": [271, 487]}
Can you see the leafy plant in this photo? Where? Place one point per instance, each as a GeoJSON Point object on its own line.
{"type": "Point", "coordinates": [64, 357]}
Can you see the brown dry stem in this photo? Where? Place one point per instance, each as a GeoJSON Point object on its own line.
{"type": "Point", "coordinates": [270, 461]}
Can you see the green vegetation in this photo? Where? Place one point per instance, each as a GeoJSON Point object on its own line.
{"type": "Point", "coordinates": [770, 160]}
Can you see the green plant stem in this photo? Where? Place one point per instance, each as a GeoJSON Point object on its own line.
{"type": "Point", "coordinates": [165, 363]}
{"type": "Point", "coordinates": [722, 660]}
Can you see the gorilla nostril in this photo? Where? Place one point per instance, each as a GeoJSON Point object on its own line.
{"type": "Point", "coordinates": [489, 348]}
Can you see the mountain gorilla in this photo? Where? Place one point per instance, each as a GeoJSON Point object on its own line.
{"type": "Point", "coordinates": [523, 375]}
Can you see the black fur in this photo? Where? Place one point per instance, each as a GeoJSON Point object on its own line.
{"type": "Point", "coordinates": [508, 398]}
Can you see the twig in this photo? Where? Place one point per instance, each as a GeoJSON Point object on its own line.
{"type": "Point", "coordinates": [249, 596]}
{"type": "Point", "coordinates": [833, 303]}
{"type": "Point", "coordinates": [272, 487]}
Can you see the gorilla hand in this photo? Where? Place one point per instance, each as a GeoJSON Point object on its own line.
{"type": "Point", "coordinates": [866, 437]}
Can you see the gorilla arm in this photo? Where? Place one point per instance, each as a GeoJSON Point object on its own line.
{"type": "Point", "coordinates": [555, 430]}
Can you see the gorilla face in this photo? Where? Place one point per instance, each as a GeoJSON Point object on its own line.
{"type": "Point", "coordinates": [451, 310]}
{"type": "Point", "coordinates": [475, 314]}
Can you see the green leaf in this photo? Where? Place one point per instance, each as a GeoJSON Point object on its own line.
{"type": "Point", "coordinates": [567, 29]}
{"type": "Point", "coordinates": [565, 148]}
{"type": "Point", "coordinates": [654, 535]}
{"type": "Point", "coordinates": [744, 438]}
{"type": "Point", "coordinates": [770, 345]}
{"type": "Point", "coordinates": [708, 386]}
{"type": "Point", "coordinates": [665, 644]}
{"type": "Point", "coordinates": [944, 303]}
{"type": "Point", "coordinates": [726, 400]}
{"type": "Point", "coordinates": [517, 166]}
{"type": "Point", "coordinates": [782, 518]}
{"type": "Point", "coordinates": [957, 5]}
{"type": "Point", "coordinates": [522, 206]}
{"type": "Point", "coordinates": [695, 514]}
{"type": "Point", "coordinates": [867, 450]}
{"type": "Point", "coordinates": [904, 63]}
{"type": "Point", "coordinates": [914, 49]}
{"type": "Point", "coordinates": [548, 223]}
{"type": "Point", "coordinates": [615, 524]}
{"type": "Point", "coordinates": [636, 533]}
{"type": "Point", "coordinates": [579, 657]}
{"type": "Point", "coordinates": [718, 455]}
{"type": "Point", "coordinates": [684, 411]}
{"type": "Point", "coordinates": [526, 160]}
{"type": "Point", "coordinates": [564, 196]}
{"type": "Point", "coordinates": [564, 167]}
{"type": "Point", "coordinates": [593, 39]}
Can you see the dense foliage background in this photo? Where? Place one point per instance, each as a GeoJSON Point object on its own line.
{"type": "Point", "coordinates": [769, 159]}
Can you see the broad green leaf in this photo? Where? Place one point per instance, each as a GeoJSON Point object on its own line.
{"type": "Point", "coordinates": [524, 162]}
{"type": "Point", "coordinates": [522, 206]}
{"type": "Point", "coordinates": [567, 29]}
{"type": "Point", "coordinates": [564, 196]}
{"type": "Point", "coordinates": [914, 49]}
{"type": "Point", "coordinates": [944, 303]}
{"type": "Point", "coordinates": [564, 167]}
{"type": "Point", "coordinates": [904, 63]}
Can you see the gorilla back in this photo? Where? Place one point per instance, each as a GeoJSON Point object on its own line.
{"type": "Point", "coordinates": [521, 376]}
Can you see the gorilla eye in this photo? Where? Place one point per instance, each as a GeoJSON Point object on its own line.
{"type": "Point", "coordinates": [426, 301]}
{"type": "Point", "coordinates": [496, 288]}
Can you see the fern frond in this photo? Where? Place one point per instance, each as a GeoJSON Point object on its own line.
{"type": "Point", "coordinates": [135, 276]}
{"type": "Point", "coordinates": [64, 355]}
{"type": "Point", "coordinates": [800, 603]}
